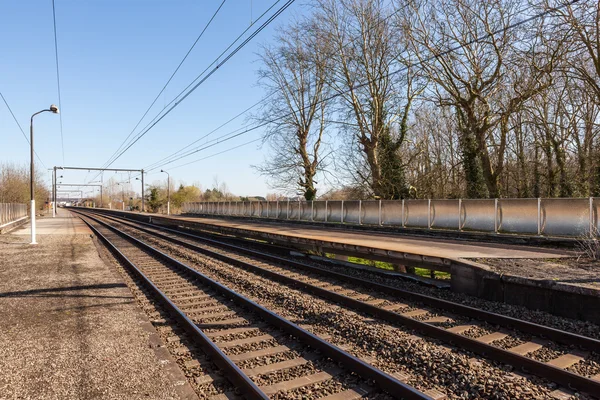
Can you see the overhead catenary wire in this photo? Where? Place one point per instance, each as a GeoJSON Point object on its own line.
{"type": "Point", "coordinates": [178, 152]}
{"type": "Point", "coordinates": [402, 69]}
{"type": "Point", "coordinates": [219, 153]}
{"type": "Point", "coordinates": [21, 129]}
{"type": "Point", "coordinates": [169, 80]}
{"type": "Point", "coordinates": [209, 133]}
{"type": "Point", "coordinates": [208, 75]}
{"type": "Point", "coordinates": [62, 140]}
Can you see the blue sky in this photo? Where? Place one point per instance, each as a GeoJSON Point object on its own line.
{"type": "Point", "coordinates": [115, 56]}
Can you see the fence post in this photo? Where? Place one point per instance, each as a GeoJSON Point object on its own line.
{"type": "Point", "coordinates": [428, 213]}
{"type": "Point", "coordinates": [379, 212]}
{"type": "Point", "coordinates": [299, 210]}
{"type": "Point", "coordinates": [312, 210]}
{"type": "Point", "coordinates": [277, 210]}
{"type": "Point", "coordinates": [459, 215]}
{"type": "Point", "coordinates": [591, 217]}
{"type": "Point", "coordinates": [360, 212]}
{"type": "Point", "coordinates": [402, 214]}
{"type": "Point", "coordinates": [539, 216]}
{"type": "Point", "coordinates": [342, 213]}
{"type": "Point", "coordinates": [495, 215]}
{"type": "Point", "coordinates": [325, 210]}
{"type": "Point", "coordinates": [287, 210]}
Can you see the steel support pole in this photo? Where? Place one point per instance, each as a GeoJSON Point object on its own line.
{"type": "Point", "coordinates": [342, 213]}
{"type": "Point", "coordinates": [460, 214]}
{"type": "Point", "coordinates": [539, 216]}
{"type": "Point", "coordinates": [168, 194]}
{"type": "Point", "coordinates": [428, 213]}
{"type": "Point", "coordinates": [143, 187]}
{"type": "Point", "coordinates": [592, 217]}
{"type": "Point", "coordinates": [402, 213]}
{"type": "Point", "coordinates": [326, 216]}
{"type": "Point", "coordinates": [379, 217]}
{"type": "Point", "coordinates": [54, 193]}
{"type": "Point", "coordinates": [360, 212]}
{"type": "Point", "coordinates": [495, 215]}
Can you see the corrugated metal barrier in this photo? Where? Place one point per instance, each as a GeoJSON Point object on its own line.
{"type": "Point", "coordinates": [10, 212]}
{"type": "Point", "coordinates": [551, 217]}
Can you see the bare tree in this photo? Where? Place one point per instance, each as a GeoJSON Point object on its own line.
{"type": "Point", "coordinates": [484, 68]}
{"type": "Point", "coordinates": [295, 77]}
{"type": "Point", "coordinates": [374, 102]}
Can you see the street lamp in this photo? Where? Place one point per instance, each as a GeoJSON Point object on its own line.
{"type": "Point", "coordinates": [168, 191]}
{"type": "Point", "coordinates": [52, 109]}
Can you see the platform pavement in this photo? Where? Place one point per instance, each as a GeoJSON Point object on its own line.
{"type": "Point", "coordinates": [443, 248]}
{"type": "Point", "coordinates": [70, 327]}
{"type": "Point", "coordinates": [64, 223]}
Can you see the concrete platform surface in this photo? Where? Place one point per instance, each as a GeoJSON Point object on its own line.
{"type": "Point", "coordinates": [69, 327]}
{"type": "Point", "coordinates": [64, 223]}
{"type": "Point", "coordinates": [426, 246]}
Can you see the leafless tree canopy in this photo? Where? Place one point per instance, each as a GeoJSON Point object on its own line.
{"type": "Point", "coordinates": [438, 98]}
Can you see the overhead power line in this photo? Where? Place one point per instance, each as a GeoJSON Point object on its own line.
{"type": "Point", "coordinates": [402, 69]}
{"type": "Point", "coordinates": [216, 154]}
{"type": "Point", "coordinates": [208, 134]}
{"type": "Point", "coordinates": [62, 141]}
{"type": "Point", "coordinates": [21, 129]}
{"type": "Point", "coordinates": [208, 75]}
{"type": "Point", "coordinates": [178, 152]}
{"type": "Point", "coordinates": [169, 80]}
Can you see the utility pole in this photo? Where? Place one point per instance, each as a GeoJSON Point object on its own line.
{"type": "Point", "coordinates": [168, 191]}
{"type": "Point", "coordinates": [143, 190]}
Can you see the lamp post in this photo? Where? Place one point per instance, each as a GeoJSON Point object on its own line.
{"type": "Point", "coordinates": [52, 109]}
{"type": "Point", "coordinates": [168, 191]}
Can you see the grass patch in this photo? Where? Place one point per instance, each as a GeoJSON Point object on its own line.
{"type": "Point", "coordinates": [390, 267]}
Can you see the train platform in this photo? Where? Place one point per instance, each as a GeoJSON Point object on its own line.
{"type": "Point", "coordinates": [63, 224]}
{"type": "Point", "coordinates": [70, 327]}
{"type": "Point", "coordinates": [431, 247]}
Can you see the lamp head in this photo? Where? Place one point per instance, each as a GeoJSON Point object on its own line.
{"type": "Point", "coordinates": [54, 109]}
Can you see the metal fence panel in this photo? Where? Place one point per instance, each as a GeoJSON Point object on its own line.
{"type": "Point", "coordinates": [566, 217]}
{"type": "Point", "coordinates": [445, 214]}
{"type": "Point", "coordinates": [478, 215]}
{"type": "Point", "coordinates": [320, 210]}
{"type": "Point", "coordinates": [334, 211]}
{"type": "Point", "coordinates": [352, 211]}
{"type": "Point", "coordinates": [518, 215]}
{"type": "Point", "coordinates": [280, 209]}
{"type": "Point", "coordinates": [417, 213]}
{"type": "Point", "coordinates": [235, 208]}
{"type": "Point", "coordinates": [596, 216]}
{"type": "Point", "coordinates": [306, 210]}
{"type": "Point", "coordinates": [391, 212]}
{"type": "Point", "coordinates": [294, 210]}
{"type": "Point", "coordinates": [10, 212]}
{"type": "Point", "coordinates": [555, 217]}
{"type": "Point", "coordinates": [370, 212]}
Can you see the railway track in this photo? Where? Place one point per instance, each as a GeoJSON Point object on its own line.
{"type": "Point", "coordinates": [262, 354]}
{"type": "Point", "coordinates": [558, 356]}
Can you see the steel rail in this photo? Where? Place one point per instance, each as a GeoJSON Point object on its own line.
{"type": "Point", "coordinates": [554, 334]}
{"type": "Point", "coordinates": [393, 386]}
{"type": "Point", "coordinates": [558, 375]}
{"type": "Point", "coordinates": [233, 372]}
